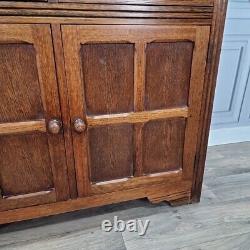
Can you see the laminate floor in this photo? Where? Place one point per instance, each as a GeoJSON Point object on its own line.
{"type": "Point", "coordinates": [220, 221]}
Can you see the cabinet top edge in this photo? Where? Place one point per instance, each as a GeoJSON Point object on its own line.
{"type": "Point", "coordinates": [68, 3]}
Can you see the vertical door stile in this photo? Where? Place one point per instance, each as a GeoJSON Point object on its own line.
{"type": "Point", "coordinates": [195, 98]}
{"type": "Point", "coordinates": [139, 94]}
{"type": "Point", "coordinates": [72, 49]}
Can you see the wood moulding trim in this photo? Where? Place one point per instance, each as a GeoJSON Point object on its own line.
{"type": "Point", "coordinates": [105, 7]}
{"type": "Point", "coordinates": [136, 117]}
{"type": "Point", "coordinates": [38, 198]}
{"type": "Point", "coordinates": [110, 14]}
{"type": "Point", "coordinates": [23, 127]}
{"type": "Point", "coordinates": [133, 182]}
{"type": "Point", "coordinates": [148, 2]}
{"type": "Point", "coordinates": [96, 21]}
{"type": "Point", "coordinates": [166, 190]}
{"type": "Point", "coordinates": [208, 95]}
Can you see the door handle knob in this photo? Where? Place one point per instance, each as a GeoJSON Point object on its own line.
{"type": "Point", "coordinates": [79, 125]}
{"type": "Point", "coordinates": [54, 126]}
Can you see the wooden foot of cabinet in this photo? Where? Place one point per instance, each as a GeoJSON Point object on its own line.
{"type": "Point", "coordinates": [104, 103]}
{"type": "Point", "coordinates": [174, 200]}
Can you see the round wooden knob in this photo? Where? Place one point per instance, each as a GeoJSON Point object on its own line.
{"type": "Point", "coordinates": [54, 126]}
{"type": "Point", "coordinates": [79, 125]}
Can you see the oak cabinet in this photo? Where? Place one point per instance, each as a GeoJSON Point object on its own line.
{"type": "Point", "coordinates": [138, 92]}
{"type": "Point", "coordinates": [32, 161]}
{"type": "Point", "coordinates": [104, 109]}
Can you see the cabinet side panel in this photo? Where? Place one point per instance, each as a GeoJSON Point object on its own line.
{"type": "Point", "coordinates": [108, 77]}
{"type": "Point", "coordinates": [20, 91]}
{"type": "Point", "coordinates": [111, 152]}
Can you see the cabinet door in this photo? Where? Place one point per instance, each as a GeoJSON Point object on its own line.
{"type": "Point", "coordinates": [138, 91]}
{"type": "Point", "coordinates": [32, 161]}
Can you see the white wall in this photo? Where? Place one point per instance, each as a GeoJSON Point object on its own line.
{"type": "Point", "coordinates": [231, 113]}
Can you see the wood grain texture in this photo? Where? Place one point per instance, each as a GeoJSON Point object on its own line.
{"type": "Point", "coordinates": [167, 74]}
{"type": "Point", "coordinates": [19, 77]}
{"type": "Point", "coordinates": [111, 152]}
{"type": "Point", "coordinates": [163, 143]}
{"type": "Point", "coordinates": [120, 137]}
{"type": "Point", "coordinates": [28, 200]}
{"type": "Point", "coordinates": [139, 181]}
{"type": "Point", "coordinates": [37, 85]}
{"type": "Point", "coordinates": [139, 95]}
{"type": "Point", "coordinates": [148, 2]}
{"type": "Point", "coordinates": [208, 93]}
{"type": "Point", "coordinates": [108, 77]}
{"type": "Point", "coordinates": [195, 99]}
{"type": "Point", "coordinates": [77, 105]}
{"type": "Point", "coordinates": [29, 171]}
{"type": "Point", "coordinates": [22, 127]}
{"type": "Point", "coordinates": [64, 103]}
{"type": "Point", "coordinates": [105, 7]}
{"type": "Point", "coordinates": [219, 221]}
{"type": "Point", "coordinates": [94, 201]}
{"type": "Point", "coordinates": [110, 21]}
{"type": "Point", "coordinates": [136, 117]}
{"type": "Point", "coordinates": [98, 14]}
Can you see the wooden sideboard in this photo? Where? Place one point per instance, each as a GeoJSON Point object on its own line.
{"type": "Point", "coordinates": [104, 101]}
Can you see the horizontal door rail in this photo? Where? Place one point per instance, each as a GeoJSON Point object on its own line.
{"type": "Point", "coordinates": [136, 117]}
{"type": "Point", "coordinates": [22, 127]}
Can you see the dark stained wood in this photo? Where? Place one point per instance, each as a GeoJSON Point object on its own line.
{"type": "Point", "coordinates": [88, 36]}
{"type": "Point", "coordinates": [147, 2]}
{"type": "Point", "coordinates": [27, 200]}
{"type": "Point", "coordinates": [137, 83]}
{"type": "Point", "coordinates": [25, 164]}
{"type": "Point", "coordinates": [19, 74]}
{"type": "Point", "coordinates": [113, 21]}
{"type": "Point", "coordinates": [108, 77]}
{"type": "Point", "coordinates": [111, 152]}
{"type": "Point", "coordinates": [77, 106]}
{"type": "Point", "coordinates": [163, 143]}
{"type": "Point", "coordinates": [208, 95]}
{"type": "Point", "coordinates": [32, 160]}
{"type": "Point", "coordinates": [170, 191]}
{"type": "Point", "coordinates": [195, 100]}
{"type": "Point", "coordinates": [136, 117]}
{"type": "Point", "coordinates": [22, 127]}
{"type": "Point", "coordinates": [112, 14]}
{"type": "Point", "coordinates": [64, 101]}
{"type": "Point", "coordinates": [105, 7]}
{"type": "Point", "coordinates": [168, 69]}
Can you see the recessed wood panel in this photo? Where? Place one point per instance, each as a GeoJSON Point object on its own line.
{"type": "Point", "coordinates": [168, 70]}
{"type": "Point", "coordinates": [163, 143]}
{"type": "Point", "coordinates": [108, 72]}
{"type": "Point", "coordinates": [24, 164]}
{"type": "Point", "coordinates": [19, 86]}
{"type": "Point", "coordinates": [111, 152]}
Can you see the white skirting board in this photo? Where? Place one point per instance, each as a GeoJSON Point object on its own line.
{"type": "Point", "coordinates": [229, 135]}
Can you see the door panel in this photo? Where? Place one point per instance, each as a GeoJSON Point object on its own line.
{"type": "Point", "coordinates": [163, 142]}
{"type": "Point", "coordinates": [108, 77]}
{"type": "Point", "coordinates": [168, 69]}
{"type": "Point", "coordinates": [32, 161]}
{"type": "Point", "coordinates": [144, 120]}
{"type": "Point", "coordinates": [30, 166]}
{"type": "Point", "coordinates": [111, 152]}
{"type": "Point", "coordinates": [19, 72]}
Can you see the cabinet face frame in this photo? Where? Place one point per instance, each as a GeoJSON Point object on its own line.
{"type": "Point", "coordinates": [39, 37]}
{"type": "Point", "coordinates": [76, 35]}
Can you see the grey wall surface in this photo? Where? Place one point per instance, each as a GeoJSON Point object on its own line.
{"type": "Point", "coordinates": [231, 113]}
